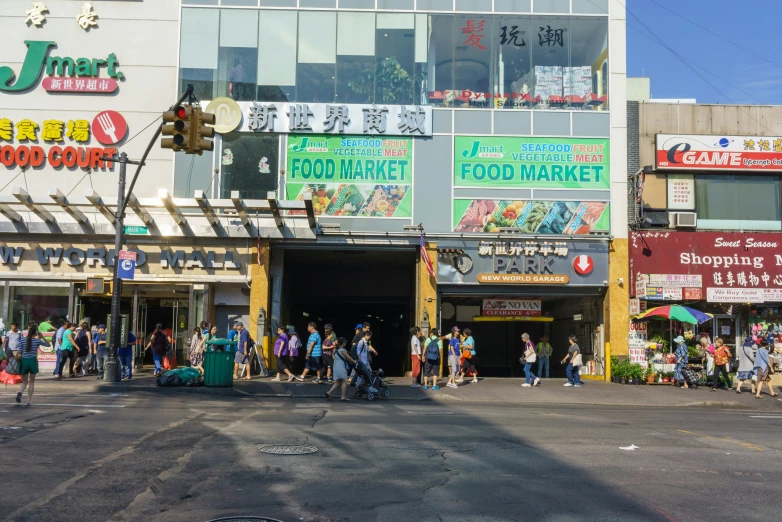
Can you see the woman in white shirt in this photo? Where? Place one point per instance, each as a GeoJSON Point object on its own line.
{"type": "Point", "coordinates": [415, 355]}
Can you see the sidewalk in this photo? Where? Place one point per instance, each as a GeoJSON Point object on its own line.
{"type": "Point", "coordinates": [488, 390]}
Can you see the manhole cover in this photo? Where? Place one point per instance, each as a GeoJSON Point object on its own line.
{"type": "Point", "coordinates": [288, 450]}
{"type": "Point", "coordinates": [243, 519]}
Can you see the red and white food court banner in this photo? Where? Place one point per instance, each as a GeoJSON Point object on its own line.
{"type": "Point", "coordinates": [702, 152]}
{"type": "Point", "coordinates": [730, 266]}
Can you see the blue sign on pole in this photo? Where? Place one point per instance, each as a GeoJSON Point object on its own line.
{"type": "Point", "coordinates": [127, 264]}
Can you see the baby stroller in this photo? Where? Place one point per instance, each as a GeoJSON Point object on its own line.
{"type": "Point", "coordinates": [372, 383]}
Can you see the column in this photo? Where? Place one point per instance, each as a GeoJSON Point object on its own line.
{"type": "Point", "coordinates": [426, 294]}
{"type": "Point", "coordinates": [259, 294]}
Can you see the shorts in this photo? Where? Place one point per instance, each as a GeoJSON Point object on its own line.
{"type": "Point", "coordinates": [453, 364]}
{"type": "Point", "coordinates": [281, 364]}
{"type": "Point", "coordinates": [313, 363]}
{"type": "Point", "coordinates": [28, 365]}
{"type": "Point", "coordinates": [241, 358]}
{"type": "Point", "coordinates": [328, 360]}
{"type": "Point", "coordinates": [432, 368]}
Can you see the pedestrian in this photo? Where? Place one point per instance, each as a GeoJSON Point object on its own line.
{"type": "Point", "coordinates": [362, 351]}
{"type": "Point", "coordinates": [158, 342]}
{"type": "Point", "coordinates": [46, 326]}
{"type": "Point", "coordinates": [242, 350]}
{"type": "Point", "coordinates": [763, 370]}
{"type": "Point", "coordinates": [708, 352]}
{"type": "Point", "coordinates": [101, 350]}
{"type": "Point", "coordinates": [681, 360]}
{"type": "Point", "coordinates": [432, 349]}
{"type": "Point", "coordinates": [281, 353]}
{"type": "Point", "coordinates": [210, 336]}
{"type": "Point", "coordinates": [468, 356]}
{"type": "Point", "coordinates": [13, 340]}
{"type": "Point", "coordinates": [721, 356]}
{"type": "Point", "coordinates": [329, 345]}
{"type": "Point", "coordinates": [93, 358]}
{"type": "Point", "coordinates": [294, 345]}
{"type": "Point", "coordinates": [125, 355]}
{"type": "Point", "coordinates": [574, 361]}
{"type": "Point", "coordinates": [67, 348]}
{"type": "Point", "coordinates": [197, 350]}
{"type": "Point", "coordinates": [342, 364]}
{"type": "Point", "coordinates": [83, 342]}
{"type": "Point", "coordinates": [314, 353]}
{"type": "Point", "coordinates": [415, 355]}
{"type": "Point", "coordinates": [543, 351]}
{"type": "Point", "coordinates": [529, 358]}
{"type": "Point", "coordinates": [360, 329]}
{"type": "Point", "coordinates": [29, 366]}
{"type": "Point", "coordinates": [454, 355]}
{"type": "Point", "coordinates": [204, 328]}
{"type": "Point", "coordinates": [746, 354]}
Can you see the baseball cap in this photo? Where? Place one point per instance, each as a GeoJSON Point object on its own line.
{"type": "Point", "coordinates": [101, 326]}
{"type": "Point", "coordinates": [328, 327]}
{"type": "Point", "coordinates": [359, 326]}
{"type": "Point", "coordinates": [239, 323]}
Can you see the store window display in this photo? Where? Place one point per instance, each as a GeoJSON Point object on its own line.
{"type": "Point", "coordinates": [37, 303]}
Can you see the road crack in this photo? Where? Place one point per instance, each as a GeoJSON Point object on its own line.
{"type": "Point", "coordinates": [319, 416]}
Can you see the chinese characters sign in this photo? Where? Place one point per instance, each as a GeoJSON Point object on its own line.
{"type": "Point", "coordinates": [675, 280]}
{"type": "Point", "coordinates": [681, 192]}
{"type": "Point", "coordinates": [718, 260]}
{"type": "Point", "coordinates": [351, 175]}
{"type": "Point", "coordinates": [503, 162]}
{"type": "Point", "coordinates": [637, 343]}
{"type": "Point", "coordinates": [700, 152]}
{"type": "Point", "coordinates": [530, 216]}
{"type": "Point", "coordinates": [328, 118]}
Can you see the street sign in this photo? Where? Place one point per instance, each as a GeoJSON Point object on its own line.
{"type": "Point", "coordinates": [127, 264]}
{"type": "Point", "coordinates": [583, 264]}
{"type": "Point", "coordinates": [94, 285]}
{"type": "Point", "coordinates": [123, 330]}
{"type": "Point", "coordinates": [635, 306]}
{"type": "Point", "coordinates": [134, 230]}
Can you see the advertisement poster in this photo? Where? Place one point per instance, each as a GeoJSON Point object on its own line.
{"type": "Point", "coordinates": [351, 176]}
{"type": "Point", "coordinates": [542, 217]}
{"type": "Point", "coordinates": [676, 280]}
{"type": "Point", "coordinates": [681, 192]}
{"type": "Point", "coordinates": [509, 162]}
{"type": "Point", "coordinates": [637, 343]}
{"type": "Point", "coordinates": [702, 152]}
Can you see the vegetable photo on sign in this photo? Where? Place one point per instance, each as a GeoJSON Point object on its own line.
{"type": "Point", "coordinates": [547, 217]}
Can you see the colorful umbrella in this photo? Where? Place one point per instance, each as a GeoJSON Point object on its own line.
{"type": "Point", "coordinates": [680, 313]}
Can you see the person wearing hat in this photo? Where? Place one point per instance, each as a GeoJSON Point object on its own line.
{"type": "Point", "coordinates": [242, 350]}
{"type": "Point", "coordinates": [360, 329]}
{"type": "Point", "coordinates": [329, 345]}
{"type": "Point", "coordinates": [101, 350]}
{"type": "Point", "coordinates": [543, 349]}
{"type": "Point", "coordinates": [680, 358]}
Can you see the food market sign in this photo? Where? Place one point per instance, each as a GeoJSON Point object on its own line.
{"type": "Point", "coordinates": [512, 307]}
{"type": "Point", "coordinates": [64, 74]}
{"type": "Point", "coordinates": [520, 262]}
{"type": "Point", "coordinates": [727, 260]}
{"type": "Point", "coordinates": [351, 176]}
{"type": "Point", "coordinates": [506, 162]}
{"type": "Point", "coordinates": [729, 153]}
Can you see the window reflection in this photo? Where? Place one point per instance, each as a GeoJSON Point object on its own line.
{"type": "Point", "coordinates": [249, 164]}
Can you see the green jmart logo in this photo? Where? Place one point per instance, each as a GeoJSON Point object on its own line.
{"type": "Point", "coordinates": [65, 74]}
{"type": "Point", "coordinates": [307, 145]}
{"type": "Point", "coordinates": [484, 151]}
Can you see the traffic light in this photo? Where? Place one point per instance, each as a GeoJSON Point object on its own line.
{"type": "Point", "coordinates": [200, 132]}
{"type": "Point", "coordinates": [181, 118]}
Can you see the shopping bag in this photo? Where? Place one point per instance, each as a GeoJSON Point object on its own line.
{"type": "Point", "coordinates": [166, 363]}
{"type": "Point", "coordinates": [13, 367]}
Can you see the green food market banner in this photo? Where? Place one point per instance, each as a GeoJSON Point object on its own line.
{"type": "Point", "coordinates": [507, 162]}
{"type": "Point", "coordinates": [540, 217]}
{"type": "Point", "coordinates": [351, 175]}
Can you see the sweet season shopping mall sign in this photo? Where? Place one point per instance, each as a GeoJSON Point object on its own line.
{"type": "Point", "coordinates": [64, 74]}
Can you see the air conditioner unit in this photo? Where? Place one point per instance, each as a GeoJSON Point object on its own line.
{"type": "Point", "coordinates": [683, 220]}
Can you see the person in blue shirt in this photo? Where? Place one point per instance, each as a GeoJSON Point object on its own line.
{"type": "Point", "coordinates": [314, 353]}
{"type": "Point", "coordinates": [242, 350]}
{"type": "Point", "coordinates": [125, 355]}
{"type": "Point", "coordinates": [454, 355]}
{"type": "Point", "coordinates": [232, 334]}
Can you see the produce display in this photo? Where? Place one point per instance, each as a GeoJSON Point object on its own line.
{"type": "Point", "coordinates": [477, 215]}
{"type": "Point", "coordinates": [504, 216]}
{"type": "Point", "coordinates": [345, 201]}
{"type": "Point", "coordinates": [320, 198]}
{"type": "Point", "coordinates": [532, 216]}
{"type": "Point", "coordinates": [383, 200]}
{"type": "Point", "coordinates": [542, 217]}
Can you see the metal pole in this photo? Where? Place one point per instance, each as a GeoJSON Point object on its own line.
{"type": "Point", "coordinates": [111, 372]}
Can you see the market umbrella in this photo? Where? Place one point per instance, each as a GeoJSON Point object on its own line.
{"type": "Point", "coordinates": [684, 314]}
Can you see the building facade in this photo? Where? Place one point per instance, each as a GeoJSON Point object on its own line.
{"type": "Point", "coordinates": [346, 130]}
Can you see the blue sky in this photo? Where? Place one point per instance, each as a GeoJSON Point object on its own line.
{"type": "Point", "coordinates": [752, 24]}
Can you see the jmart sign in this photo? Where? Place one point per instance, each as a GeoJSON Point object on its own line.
{"type": "Point", "coordinates": [64, 74]}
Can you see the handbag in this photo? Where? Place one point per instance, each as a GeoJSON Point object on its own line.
{"type": "Point", "coordinates": [577, 361]}
{"type": "Point", "coordinates": [530, 356]}
{"type": "Point", "coordinates": [14, 366]}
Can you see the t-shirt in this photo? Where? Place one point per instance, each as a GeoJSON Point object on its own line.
{"type": "Point", "coordinates": [103, 347]}
{"type": "Point", "coordinates": [244, 337]}
{"type": "Point", "coordinates": [415, 346]}
{"type": "Point", "coordinates": [357, 338]}
{"type": "Point", "coordinates": [328, 343]}
{"type": "Point", "coordinates": [66, 342]}
{"type": "Point", "coordinates": [454, 347]}
{"type": "Point", "coordinates": [281, 345]}
{"type": "Point", "coordinates": [362, 348]}
{"type": "Point", "coordinates": [572, 350]}
{"type": "Point", "coordinates": [232, 334]}
{"type": "Point", "coordinates": [128, 350]}
{"type": "Point", "coordinates": [45, 327]}
{"type": "Point", "coordinates": [34, 344]}
{"type": "Point", "coordinates": [317, 348]}
{"type": "Point", "coordinates": [467, 347]}
{"type": "Point", "coordinates": [12, 340]}
{"type": "Point", "coordinates": [58, 337]}
{"type": "Point", "coordinates": [721, 355]}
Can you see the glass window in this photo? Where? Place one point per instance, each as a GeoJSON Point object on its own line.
{"type": "Point", "coordinates": [249, 164]}
{"type": "Point", "coordinates": [395, 80]}
{"type": "Point", "coordinates": [654, 192]}
{"type": "Point", "coordinates": [737, 198]}
{"type": "Point", "coordinates": [237, 61]}
{"type": "Point", "coordinates": [317, 58]}
{"type": "Point", "coordinates": [277, 56]}
{"type": "Point", "coordinates": [550, 61]}
{"type": "Point", "coordinates": [515, 59]}
{"type": "Point", "coordinates": [355, 58]}
{"type": "Point", "coordinates": [586, 82]}
{"type": "Point", "coordinates": [198, 51]}
{"type": "Point", "coordinates": [36, 303]}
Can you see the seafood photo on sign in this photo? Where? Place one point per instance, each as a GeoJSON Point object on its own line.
{"type": "Point", "coordinates": [558, 217]}
{"type": "Point", "coordinates": [532, 215]}
{"type": "Point", "coordinates": [383, 200]}
{"type": "Point", "coordinates": [585, 217]}
{"type": "Point", "coordinates": [476, 216]}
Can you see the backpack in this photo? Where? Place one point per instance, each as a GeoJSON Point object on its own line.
{"type": "Point", "coordinates": [432, 350]}
{"type": "Point", "coordinates": [294, 344]}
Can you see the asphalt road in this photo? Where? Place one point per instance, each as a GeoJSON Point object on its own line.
{"type": "Point", "coordinates": [184, 457]}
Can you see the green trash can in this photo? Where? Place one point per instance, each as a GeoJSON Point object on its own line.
{"type": "Point", "coordinates": [218, 368]}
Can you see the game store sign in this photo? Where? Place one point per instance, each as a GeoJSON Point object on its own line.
{"type": "Point", "coordinates": [64, 74]}
{"type": "Point", "coordinates": [351, 176]}
{"type": "Point", "coordinates": [523, 262]}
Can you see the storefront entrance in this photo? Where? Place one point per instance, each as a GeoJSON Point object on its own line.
{"type": "Point", "coordinates": [347, 287]}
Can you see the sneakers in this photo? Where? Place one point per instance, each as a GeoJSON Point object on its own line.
{"type": "Point", "coordinates": [276, 379]}
{"type": "Point", "coordinates": [567, 384]}
{"type": "Point", "coordinates": [300, 379]}
{"type": "Point", "coordinates": [537, 381]}
{"type": "Point", "coordinates": [316, 380]}
{"type": "Point", "coordinates": [451, 385]}
{"type": "Point", "coordinates": [577, 386]}
{"type": "Point", "coordinates": [18, 397]}
{"type": "Point", "coordinates": [474, 381]}
{"type": "Point", "coordinates": [526, 385]}
{"type": "Point", "coordinates": [435, 387]}
{"type": "Point", "coordinates": [425, 387]}
{"type": "Point", "coordinates": [460, 379]}
{"type": "Point", "coordinates": [415, 385]}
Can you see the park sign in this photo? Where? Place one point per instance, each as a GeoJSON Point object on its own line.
{"type": "Point", "coordinates": [509, 162]}
{"type": "Point", "coordinates": [64, 74]}
{"type": "Point", "coordinates": [351, 176]}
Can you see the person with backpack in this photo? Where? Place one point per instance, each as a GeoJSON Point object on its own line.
{"type": "Point", "coordinates": [83, 342]}
{"type": "Point", "coordinates": [342, 364]}
{"type": "Point", "coordinates": [29, 365]}
{"type": "Point", "coordinates": [159, 343]}
{"type": "Point", "coordinates": [294, 345]}
{"type": "Point", "coordinates": [416, 355]}
{"type": "Point", "coordinates": [281, 350]}
{"type": "Point", "coordinates": [468, 354]}
{"type": "Point", "coordinates": [432, 349]}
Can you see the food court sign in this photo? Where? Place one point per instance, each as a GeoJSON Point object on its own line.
{"type": "Point", "coordinates": [522, 262]}
{"type": "Point", "coordinates": [351, 176]}
{"type": "Point", "coordinates": [63, 73]}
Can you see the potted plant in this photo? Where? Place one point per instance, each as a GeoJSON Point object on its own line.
{"type": "Point", "coordinates": [636, 373]}
{"type": "Point", "coordinates": [650, 375]}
